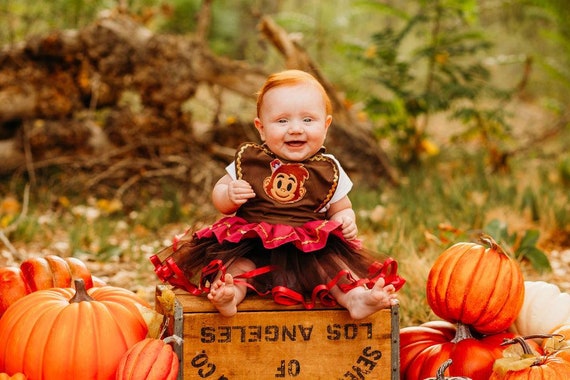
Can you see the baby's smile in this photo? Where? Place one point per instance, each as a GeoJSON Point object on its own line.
{"type": "Point", "coordinates": [295, 143]}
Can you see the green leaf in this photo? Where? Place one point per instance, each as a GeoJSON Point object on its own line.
{"type": "Point", "coordinates": [497, 229]}
{"type": "Point", "coordinates": [537, 258]}
{"type": "Point", "coordinates": [529, 239]}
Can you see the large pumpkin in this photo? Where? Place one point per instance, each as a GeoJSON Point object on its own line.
{"type": "Point", "coordinates": [149, 359]}
{"type": "Point", "coordinates": [65, 334]}
{"type": "Point", "coordinates": [38, 273]}
{"type": "Point", "coordinates": [544, 308]}
{"type": "Point", "coordinates": [476, 285]}
{"type": "Point", "coordinates": [424, 348]}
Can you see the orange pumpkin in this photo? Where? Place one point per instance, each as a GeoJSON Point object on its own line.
{"type": "Point", "coordinates": [529, 365]}
{"type": "Point", "coordinates": [38, 273]}
{"type": "Point", "coordinates": [424, 348]}
{"type": "Point", "coordinates": [476, 285]}
{"type": "Point", "coordinates": [17, 376]}
{"type": "Point", "coordinates": [559, 343]}
{"type": "Point", "coordinates": [149, 359]}
{"type": "Point", "coordinates": [62, 333]}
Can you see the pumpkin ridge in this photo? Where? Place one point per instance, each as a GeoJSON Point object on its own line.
{"type": "Point", "coordinates": [468, 314]}
{"type": "Point", "coordinates": [116, 308]}
{"type": "Point", "coordinates": [59, 270]}
{"type": "Point", "coordinates": [433, 289]}
{"type": "Point", "coordinates": [142, 359]}
{"type": "Point", "coordinates": [446, 270]}
{"type": "Point", "coordinates": [491, 311]}
{"type": "Point", "coordinates": [52, 342]}
{"type": "Point", "coordinates": [32, 277]}
{"type": "Point", "coordinates": [110, 313]}
{"type": "Point", "coordinates": [152, 351]}
{"type": "Point", "coordinates": [507, 304]}
{"type": "Point", "coordinates": [162, 363]}
{"type": "Point", "coordinates": [36, 329]}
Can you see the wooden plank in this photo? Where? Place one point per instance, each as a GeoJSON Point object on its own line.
{"type": "Point", "coordinates": [284, 342]}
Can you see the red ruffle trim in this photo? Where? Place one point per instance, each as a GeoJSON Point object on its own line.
{"type": "Point", "coordinates": [309, 237]}
{"type": "Point", "coordinates": [388, 270]}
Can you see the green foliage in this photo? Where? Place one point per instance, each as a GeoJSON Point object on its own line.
{"type": "Point", "coordinates": [20, 18]}
{"type": "Point", "coordinates": [539, 30]}
{"type": "Point", "coordinates": [523, 246]}
{"type": "Point", "coordinates": [443, 72]}
{"type": "Point", "coordinates": [564, 170]}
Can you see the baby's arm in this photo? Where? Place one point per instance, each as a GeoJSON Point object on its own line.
{"type": "Point", "coordinates": [228, 194]}
{"type": "Point", "coordinates": [342, 212]}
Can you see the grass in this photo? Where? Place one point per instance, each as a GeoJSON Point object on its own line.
{"type": "Point", "coordinates": [445, 201]}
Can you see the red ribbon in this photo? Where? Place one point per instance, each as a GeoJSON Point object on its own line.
{"type": "Point", "coordinates": [170, 272]}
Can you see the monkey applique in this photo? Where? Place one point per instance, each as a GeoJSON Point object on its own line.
{"type": "Point", "coordinates": [287, 182]}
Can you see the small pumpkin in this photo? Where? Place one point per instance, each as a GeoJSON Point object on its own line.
{"type": "Point", "coordinates": [544, 308]}
{"type": "Point", "coordinates": [150, 359]}
{"type": "Point", "coordinates": [528, 365]}
{"type": "Point", "coordinates": [12, 287]}
{"type": "Point", "coordinates": [439, 375]}
{"type": "Point", "coordinates": [64, 333]}
{"type": "Point", "coordinates": [476, 285]}
{"type": "Point", "coordinates": [558, 344]}
{"type": "Point", "coordinates": [424, 348]}
{"type": "Point", "coordinates": [17, 376]}
{"type": "Point", "coordinates": [38, 273]}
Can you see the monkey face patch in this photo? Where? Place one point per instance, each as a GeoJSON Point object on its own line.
{"type": "Point", "coordinates": [287, 182]}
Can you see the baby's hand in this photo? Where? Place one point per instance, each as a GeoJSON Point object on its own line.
{"type": "Point", "coordinates": [349, 228]}
{"type": "Point", "coordinates": [240, 191]}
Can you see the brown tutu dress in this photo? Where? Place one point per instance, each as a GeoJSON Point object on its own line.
{"type": "Point", "coordinates": [299, 255]}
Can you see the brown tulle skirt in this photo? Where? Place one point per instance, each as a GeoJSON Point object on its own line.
{"type": "Point", "coordinates": [301, 269]}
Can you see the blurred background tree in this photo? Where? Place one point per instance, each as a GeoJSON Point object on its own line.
{"type": "Point", "coordinates": [399, 63]}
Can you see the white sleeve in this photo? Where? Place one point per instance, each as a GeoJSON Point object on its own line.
{"type": "Point", "coordinates": [344, 185]}
{"type": "Point", "coordinates": [231, 170]}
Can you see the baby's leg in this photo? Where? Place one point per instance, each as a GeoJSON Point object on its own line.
{"type": "Point", "coordinates": [225, 295]}
{"type": "Point", "coordinates": [362, 302]}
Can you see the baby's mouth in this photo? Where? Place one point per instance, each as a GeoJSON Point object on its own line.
{"type": "Point", "coordinates": [295, 144]}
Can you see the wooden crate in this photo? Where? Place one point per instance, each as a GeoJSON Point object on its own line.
{"type": "Point", "coordinates": [268, 341]}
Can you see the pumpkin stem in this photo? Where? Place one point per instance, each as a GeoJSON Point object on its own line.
{"type": "Point", "coordinates": [441, 370]}
{"type": "Point", "coordinates": [520, 340]}
{"type": "Point", "coordinates": [80, 292]}
{"type": "Point", "coordinates": [487, 239]}
{"type": "Point", "coordinates": [461, 332]}
{"type": "Point", "coordinates": [525, 347]}
{"type": "Point", "coordinates": [173, 339]}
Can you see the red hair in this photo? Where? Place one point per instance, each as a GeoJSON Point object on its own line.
{"type": "Point", "coordinates": [290, 78]}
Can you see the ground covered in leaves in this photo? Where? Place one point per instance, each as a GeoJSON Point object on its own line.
{"type": "Point", "coordinates": [127, 264]}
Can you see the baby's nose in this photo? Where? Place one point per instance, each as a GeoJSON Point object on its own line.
{"type": "Point", "coordinates": [295, 127]}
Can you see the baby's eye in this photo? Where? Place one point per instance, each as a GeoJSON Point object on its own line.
{"type": "Point", "coordinates": [282, 121]}
{"type": "Point", "coordinates": [307, 120]}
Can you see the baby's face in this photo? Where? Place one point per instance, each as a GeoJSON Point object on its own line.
{"type": "Point", "coordinates": [293, 121]}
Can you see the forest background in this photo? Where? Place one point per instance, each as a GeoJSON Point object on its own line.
{"type": "Point", "coordinates": [463, 106]}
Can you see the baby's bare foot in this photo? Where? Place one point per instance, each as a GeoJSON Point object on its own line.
{"type": "Point", "coordinates": [364, 302]}
{"type": "Point", "coordinates": [223, 296]}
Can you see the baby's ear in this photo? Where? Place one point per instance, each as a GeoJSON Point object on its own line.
{"type": "Point", "coordinates": [259, 126]}
{"type": "Point", "coordinates": [328, 121]}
